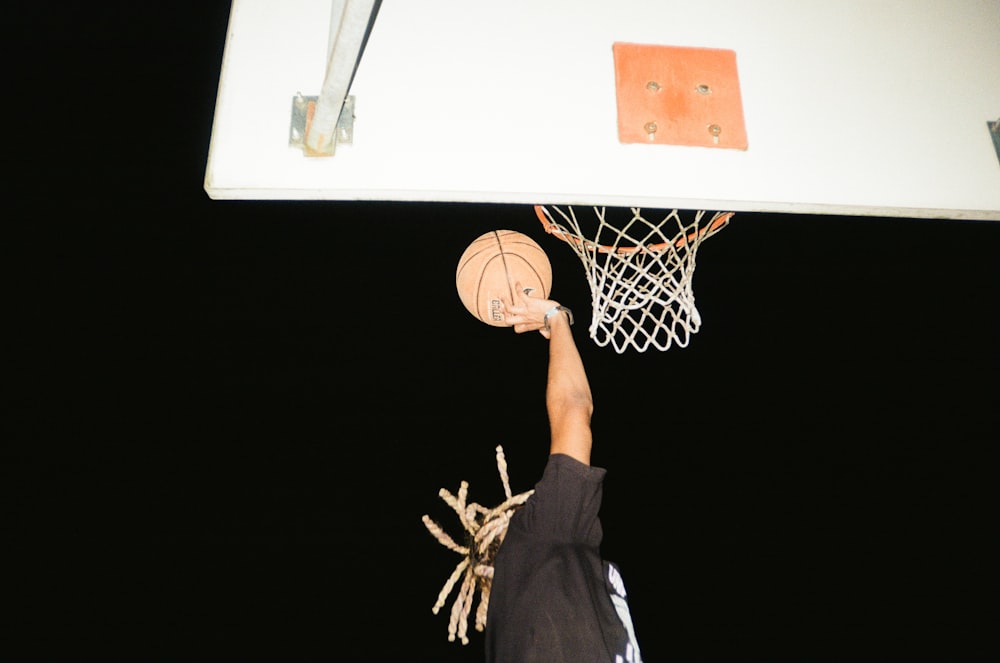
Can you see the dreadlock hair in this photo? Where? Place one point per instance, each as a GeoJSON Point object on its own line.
{"type": "Point", "coordinates": [485, 530]}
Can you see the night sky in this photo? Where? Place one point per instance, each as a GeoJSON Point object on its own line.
{"type": "Point", "coordinates": [227, 418]}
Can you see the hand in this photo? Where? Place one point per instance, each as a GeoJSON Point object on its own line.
{"type": "Point", "coordinates": [527, 311]}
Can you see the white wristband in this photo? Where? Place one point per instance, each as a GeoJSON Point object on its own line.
{"type": "Point", "coordinates": [554, 310]}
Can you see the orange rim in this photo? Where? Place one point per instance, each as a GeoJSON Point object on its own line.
{"type": "Point", "coordinates": [553, 228]}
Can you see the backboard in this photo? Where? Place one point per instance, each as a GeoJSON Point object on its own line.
{"type": "Point", "coordinates": [858, 107]}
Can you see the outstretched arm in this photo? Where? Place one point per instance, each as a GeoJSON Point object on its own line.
{"type": "Point", "coordinates": [567, 395]}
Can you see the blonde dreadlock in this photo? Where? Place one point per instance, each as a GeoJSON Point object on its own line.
{"type": "Point", "coordinates": [485, 530]}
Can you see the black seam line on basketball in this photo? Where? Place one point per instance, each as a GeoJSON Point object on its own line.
{"type": "Point", "coordinates": [483, 315]}
{"type": "Point", "coordinates": [506, 268]}
{"type": "Point", "coordinates": [531, 267]}
{"type": "Point", "coordinates": [479, 283]}
{"type": "Point", "coordinates": [527, 262]}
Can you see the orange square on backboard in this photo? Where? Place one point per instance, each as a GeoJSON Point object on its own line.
{"type": "Point", "coordinates": [678, 95]}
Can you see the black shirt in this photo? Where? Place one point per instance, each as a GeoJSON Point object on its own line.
{"type": "Point", "coordinates": [552, 595]}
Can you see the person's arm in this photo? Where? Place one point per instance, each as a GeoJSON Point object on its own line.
{"type": "Point", "coordinates": [567, 395]}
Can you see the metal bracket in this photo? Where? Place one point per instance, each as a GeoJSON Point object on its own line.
{"type": "Point", "coordinates": [994, 128]}
{"type": "Point", "coordinates": [303, 109]}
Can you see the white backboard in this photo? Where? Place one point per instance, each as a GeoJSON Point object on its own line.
{"type": "Point", "coordinates": [860, 107]}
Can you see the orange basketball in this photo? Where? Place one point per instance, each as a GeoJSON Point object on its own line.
{"type": "Point", "coordinates": [490, 267]}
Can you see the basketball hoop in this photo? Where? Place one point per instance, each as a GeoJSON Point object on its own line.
{"type": "Point", "coordinates": [640, 272]}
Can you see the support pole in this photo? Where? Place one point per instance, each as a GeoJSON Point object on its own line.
{"type": "Point", "coordinates": [350, 23]}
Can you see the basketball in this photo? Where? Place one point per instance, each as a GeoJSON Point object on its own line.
{"type": "Point", "coordinates": [490, 267]}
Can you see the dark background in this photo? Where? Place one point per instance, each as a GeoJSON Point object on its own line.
{"type": "Point", "coordinates": [227, 418]}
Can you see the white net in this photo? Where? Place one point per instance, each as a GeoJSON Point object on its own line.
{"type": "Point", "coordinates": [640, 271]}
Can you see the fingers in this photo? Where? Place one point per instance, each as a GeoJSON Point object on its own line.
{"type": "Point", "coordinates": [520, 303]}
{"type": "Point", "coordinates": [527, 310]}
{"type": "Point", "coordinates": [516, 316]}
{"type": "Point", "coordinates": [522, 294]}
